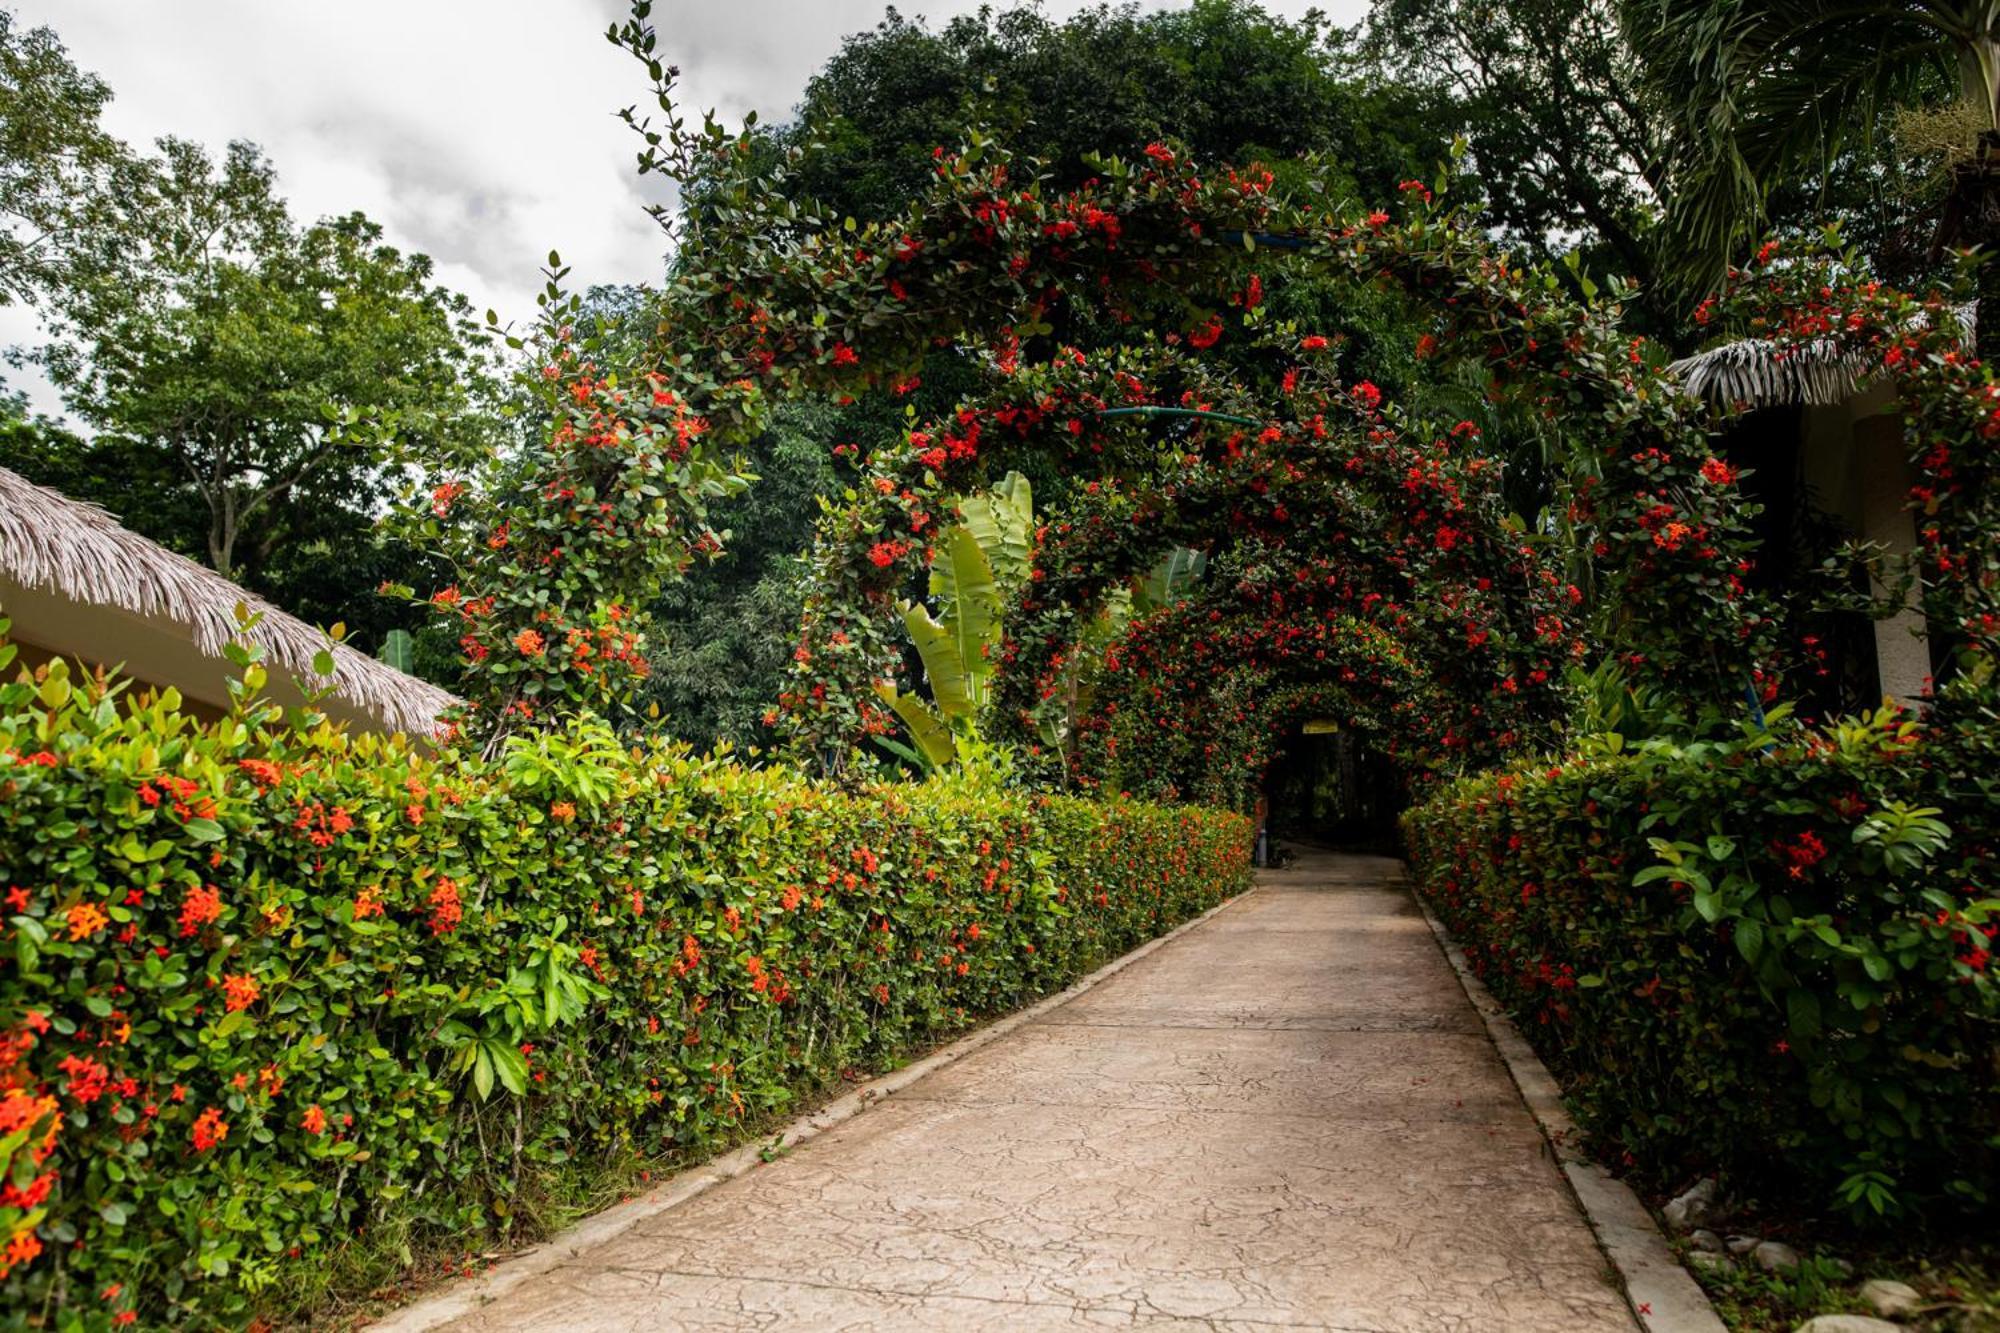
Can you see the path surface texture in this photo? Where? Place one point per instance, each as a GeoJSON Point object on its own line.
{"type": "Point", "coordinates": [1288, 1117]}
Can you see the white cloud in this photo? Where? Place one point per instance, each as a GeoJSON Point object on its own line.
{"type": "Point", "coordinates": [482, 134]}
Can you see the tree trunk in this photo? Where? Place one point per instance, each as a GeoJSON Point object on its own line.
{"type": "Point", "coordinates": [222, 537]}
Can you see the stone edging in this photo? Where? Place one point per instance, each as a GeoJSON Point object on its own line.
{"type": "Point", "coordinates": [1663, 1295]}
{"type": "Point", "coordinates": [471, 1294]}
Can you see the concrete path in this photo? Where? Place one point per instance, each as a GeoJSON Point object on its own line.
{"type": "Point", "coordinates": [1288, 1117]}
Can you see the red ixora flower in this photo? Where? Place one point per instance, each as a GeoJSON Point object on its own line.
{"type": "Point", "coordinates": [240, 991]}
{"type": "Point", "coordinates": [446, 909]}
{"type": "Point", "coordinates": [529, 642]}
{"type": "Point", "coordinates": [1718, 472]}
{"type": "Point", "coordinates": [201, 906]}
{"type": "Point", "coordinates": [210, 1129]}
{"type": "Point", "coordinates": [1207, 335]}
{"type": "Point", "coordinates": [314, 1120]}
{"type": "Point", "coordinates": [1312, 342]}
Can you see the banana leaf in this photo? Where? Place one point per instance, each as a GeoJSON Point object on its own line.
{"type": "Point", "coordinates": [927, 729]}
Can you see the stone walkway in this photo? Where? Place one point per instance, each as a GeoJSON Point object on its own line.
{"type": "Point", "coordinates": [1287, 1117]}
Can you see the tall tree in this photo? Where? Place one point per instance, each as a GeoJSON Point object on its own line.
{"type": "Point", "coordinates": [54, 154]}
{"type": "Point", "coordinates": [1224, 77]}
{"type": "Point", "coordinates": [275, 365]}
{"type": "Point", "coordinates": [1763, 95]}
{"type": "Point", "coordinates": [1561, 140]}
{"type": "Point", "coordinates": [1581, 145]}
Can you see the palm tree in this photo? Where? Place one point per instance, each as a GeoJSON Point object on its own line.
{"type": "Point", "coordinates": [1763, 91]}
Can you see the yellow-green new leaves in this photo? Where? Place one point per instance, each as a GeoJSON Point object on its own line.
{"type": "Point", "coordinates": [927, 729]}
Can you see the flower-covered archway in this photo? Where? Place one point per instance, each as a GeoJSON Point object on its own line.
{"type": "Point", "coordinates": [1271, 448]}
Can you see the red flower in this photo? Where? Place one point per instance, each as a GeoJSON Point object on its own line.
{"type": "Point", "coordinates": [87, 1078]}
{"type": "Point", "coordinates": [85, 920]}
{"type": "Point", "coordinates": [314, 1120]}
{"type": "Point", "coordinates": [210, 1129]}
{"type": "Point", "coordinates": [1312, 342]}
{"type": "Point", "coordinates": [201, 906]}
{"type": "Point", "coordinates": [240, 991]}
{"type": "Point", "coordinates": [1208, 335]}
{"type": "Point", "coordinates": [1718, 472]}
{"type": "Point", "coordinates": [20, 1250]}
{"type": "Point", "coordinates": [446, 909]}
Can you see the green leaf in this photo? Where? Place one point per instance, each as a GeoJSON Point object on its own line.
{"type": "Point", "coordinates": [951, 684]}
{"type": "Point", "coordinates": [511, 1066]}
{"type": "Point", "coordinates": [1802, 1011]}
{"type": "Point", "coordinates": [482, 1072]}
{"type": "Point", "coordinates": [962, 579]}
{"type": "Point", "coordinates": [399, 650]}
{"type": "Point", "coordinates": [927, 729]}
{"type": "Point", "coordinates": [1002, 521]}
{"type": "Point", "coordinates": [1749, 938]}
{"type": "Point", "coordinates": [204, 830]}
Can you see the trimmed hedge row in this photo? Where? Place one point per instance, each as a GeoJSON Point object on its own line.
{"type": "Point", "coordinates": [267, 987]}
{"type": "Point", "coordinates": [1768, 959]}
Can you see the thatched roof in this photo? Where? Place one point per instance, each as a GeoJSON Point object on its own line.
{"type": "Point", "coordinates": [52, 544]}
{"type": "Point", "coordinates": [1764, 374]}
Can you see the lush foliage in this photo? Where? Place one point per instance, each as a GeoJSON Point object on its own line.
{"type": "Point", "coordinates": [1229, 79]}
{"type": "Point", "coordinates": [1771, 955]}
{"type": "Point", "coordinates": [261, 358]}
{"type": "Point", "coordinates": [52, 150]}
{"type": "Point", "coordinates": [1778, 101]}
{"type": "Point", "coordinates": [270, 986]}
{"type": "Point", "coordinates": [249, 382]}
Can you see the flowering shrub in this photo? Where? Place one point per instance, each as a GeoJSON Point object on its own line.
{"type": "Point", "coordinates": [778, 295]}
{"type": "Point", "coordinates": [267, 988]}
{"type": "Point", "coordinates": [1768, 958]}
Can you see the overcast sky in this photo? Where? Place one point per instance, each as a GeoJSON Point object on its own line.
{"type": "Point", "coordinates": [481, 134]}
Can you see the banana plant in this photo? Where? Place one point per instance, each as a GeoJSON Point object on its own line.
{"type": "Point", "coordinates": [1168, 581]}
{"type": "Point", "coordinates": [399, 650]}
{"type": "Point", "coordinates": [979, 562]}
{"type": "Point", "coordinates": [1002, 521]}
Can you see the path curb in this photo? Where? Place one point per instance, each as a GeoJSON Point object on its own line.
{"type": "Point", "coordinates": [1663, 1295]}
{"type": "Point", "coordinates": [471, 1294]}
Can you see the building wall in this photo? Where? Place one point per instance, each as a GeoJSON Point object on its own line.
{"type": "Point", "coordinates": [1855, 461]}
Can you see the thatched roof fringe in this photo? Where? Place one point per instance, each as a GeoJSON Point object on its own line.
{"type": "Point", "coordinates": [50, 541]}
{"type": "Point", "coordinates": [1763, 373]}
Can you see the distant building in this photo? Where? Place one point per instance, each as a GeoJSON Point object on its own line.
{"type": "Point", "coordinates": [1826, 442]}
{"type": "Point", "coordinates": [78, 585]}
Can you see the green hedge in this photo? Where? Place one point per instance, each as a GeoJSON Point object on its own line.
{"type": "Point", "coordinates": [1771, 959]}
{"type": "Point", "coordinates": [269, 988]}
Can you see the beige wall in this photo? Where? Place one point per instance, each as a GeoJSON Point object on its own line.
{"type": "Point", "coordinates": [157, 652]}
{"type": "Point", "coordinates": [1854, 460]}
